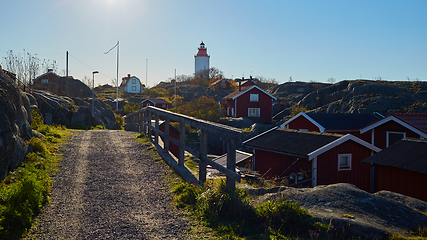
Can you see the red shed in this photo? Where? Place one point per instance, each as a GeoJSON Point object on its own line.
{"type": "Point", "coordinates": [156, 102]}
{"type": "Point", "coordinates": [333, 158]}
{"type": "Point", "coordinates": [401, 168]}
{"type": "Point", "coordinates": [251, 102]}
{"type": "Point", "coordinates": [341, 123]}
{"type": "Point", "coordinates": [396, 126]}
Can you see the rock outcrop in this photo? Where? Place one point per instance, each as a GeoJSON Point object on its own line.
{"type": "Point", "coordinates": [15, 124]}
{"type": "Point", "coordinates": [73, 111]}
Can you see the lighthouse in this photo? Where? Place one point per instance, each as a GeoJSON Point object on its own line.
{"type": "Point", "coordinates": [201, 60]}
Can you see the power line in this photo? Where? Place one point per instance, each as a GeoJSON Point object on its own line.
{"type": "Point", "coordinates": [89, 67]}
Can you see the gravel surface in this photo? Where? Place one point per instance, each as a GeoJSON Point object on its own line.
{"type": "Point", "coordinates": [109, 187]}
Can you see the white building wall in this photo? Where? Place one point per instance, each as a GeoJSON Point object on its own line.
{"type": "Point", "coordinates": [201, 63]}
{"type": "Point", "coordinates": [133, 87]}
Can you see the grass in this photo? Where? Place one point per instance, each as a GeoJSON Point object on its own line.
{"type": "Point", "coordinates": [26, 189]}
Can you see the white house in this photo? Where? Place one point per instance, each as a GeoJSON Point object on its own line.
{"type": "Point", "coordinates": [131, 84]}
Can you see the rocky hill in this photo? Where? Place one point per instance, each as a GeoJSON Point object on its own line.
{"type": "Point", "coordinates": [356, 96]}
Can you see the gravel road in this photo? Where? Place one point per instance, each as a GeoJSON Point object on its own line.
{"type": "Point", "coordinates": [109, 187]}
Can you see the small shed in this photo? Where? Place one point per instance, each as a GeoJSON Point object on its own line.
{"type": "Point", "coordinates": [401, 168]}
{"type": "Point", "coordinates": [223, 84]}
{"type": "Point", "coordinates": [243, 160]}
{"type": "Point", "coordinates": [326, 158]}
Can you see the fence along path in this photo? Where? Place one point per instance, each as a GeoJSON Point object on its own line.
{"type": "Point", "coordinates": [140, 121]}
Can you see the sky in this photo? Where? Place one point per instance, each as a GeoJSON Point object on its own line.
{"type": "Point", "coordinates": [307, 40]}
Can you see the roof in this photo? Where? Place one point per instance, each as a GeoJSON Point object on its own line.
{"type": "Point", "coordinates": [301, 143]}
{"type": "Point", "coordinates": [125, 80]}
{"type": "Point", "coordinates": [240, 156]}
{"type": "Point", "coordinates": [291, 142]}
{"type": "Point", "coordinates": [219, 81]}
{"type": "Point", "coordinates": [156, 101]}
{"type": "Point", "coordinates": [49, 72]}
{"type": "Point", "coordinates": [243, 90]}
{"type": "Point", "coordinates": [337, 121]}
{"type": "Point", "coordinates": [416, 122]}
{"type": "Point", "coordinates": [408, 153]}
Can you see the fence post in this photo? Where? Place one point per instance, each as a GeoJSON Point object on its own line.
{"type": "Point", "coordinates": [156, 133]}
{"type": "Point", "coordinates": [149, 124]}
{"type": "Point", "coordinates": [203, 153]}
{"type": "Point", "coordinates": [181, 143]}
{"type": "Point", "coordinates": [231, 163]}
{"type": "Point", "coordinates": [166, 138]}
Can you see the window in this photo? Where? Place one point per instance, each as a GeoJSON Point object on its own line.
{"type": "Point", "coordinates": [163, 105]}
{"type": "Point", "coordinates": [393, 137]}
{"type": "Point", "coordinates": [344, 161]}
{"type": "Point", "coordinates": [228, 111]}
{"type": "Point", "coordinates": [147, 104]}
{"type": "Point", "coordinates": [253, 112]}
{"type": "Point", "coordinates": [254, 97]}
{"type": "Point", "coordinates": [134, 81]}
{"type": "Point", "coordinates": [133, 88]}
{"type": "Point", "coordinates": [45, 80]}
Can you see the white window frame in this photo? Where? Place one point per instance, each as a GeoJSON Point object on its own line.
{"type": "Point", "coordinates": [346, 168]}
{"type": "Point", "coordinates": [134, 81]}
{"type": "Point", "coordinates": [133, 88]}
{"type": "Point", "coordinates": [255, 111]}
{"type": "Point", "coordinates": [388, 136]}
{"type": "Point", "coordinates": [254, 97]}
{"type": "Point", "coordinates": [148, 104]}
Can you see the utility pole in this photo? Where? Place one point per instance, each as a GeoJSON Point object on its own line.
{"type": "Point", "coordinates": [175, 88]}
{"type": "Point", "coordinates": [66, 70]}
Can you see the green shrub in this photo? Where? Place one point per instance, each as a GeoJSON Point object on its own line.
{"type": "Point", "coordinates": [119, 121]}
{"type": "Point", "coordinates": [36, 119]}
{"type": "Point", "coordinates": [38, 145]}
{"type": "Point", "coordinates": [97, 127]}
{"type": "Point", "coordinates": [284, 216]}
{"type": "Point", "coordinates": [185, 195]}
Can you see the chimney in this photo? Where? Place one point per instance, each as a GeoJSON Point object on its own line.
{"type": "Point", "coordinates": [50, 70]}
{"type": "Point", "coordinates": [251, 78]}
{"type": "Point", "coordinates": [240, 85]}
{"type": "Point", "coordinates": [128, 75]}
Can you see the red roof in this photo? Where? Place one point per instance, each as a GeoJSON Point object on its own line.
{"type": "Point", "coordinates": [203, 52]}
{"type": "Point", "coordinates": [417, 120]}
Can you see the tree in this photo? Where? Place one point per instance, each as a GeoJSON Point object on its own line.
{"type": "Point", "coordinates": [27, 67]}
{"type": "Point", "coordinates": [86, 80]}
{"type": "Point", "coordinates": [331, 80]}
{"type": "Point", "coordinates": [203, 108]}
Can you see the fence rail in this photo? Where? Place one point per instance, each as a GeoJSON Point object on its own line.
{"type": "Point", "coordinates": [141, 121]}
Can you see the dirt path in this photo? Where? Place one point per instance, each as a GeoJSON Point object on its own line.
{"type": "Point", "coordinates": [109, 187]}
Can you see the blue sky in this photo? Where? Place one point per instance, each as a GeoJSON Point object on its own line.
{"type": "Point", "coordinates": [310, 40]}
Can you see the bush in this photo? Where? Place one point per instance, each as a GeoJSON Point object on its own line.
{"type": "Point", "coordinates": [38, 145]}
{"type": "Point", "coordinates": [284, 216]}
{"type": "Point", "coordinates": [119, 121]}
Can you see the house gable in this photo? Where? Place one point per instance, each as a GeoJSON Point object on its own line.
{"type": "Point", "coordinates": [303, 121]}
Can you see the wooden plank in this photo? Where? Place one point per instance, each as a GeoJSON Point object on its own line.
{"type": "Point", "coordinates": [156, 124]}
{"type": "Point", "coordinates": [166, 139]}
{"type": "Point", "coordinates": [203, 153]}
{"type": "Point", "coordinates": [181, 143]}
{"type": "Point", "coordinates": [231, 163]}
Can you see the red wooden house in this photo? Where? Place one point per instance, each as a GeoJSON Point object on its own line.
{"type": "Point", "coordinates": [155, 102]}
{"type": "Point", "coordinates": [401, 168]}
{"type": "Point", "coordinates": [342, 123]}
{"type": "Point", "coordinates": [250, 102]}
{"type": "Point", "coordinates": [327, 158]}
{"type": "Point", "coordinates": [46, 77]}
{"type": "Point", "coordinates": [396, 126]}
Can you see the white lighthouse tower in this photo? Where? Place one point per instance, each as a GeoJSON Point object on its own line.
{"type": "Point", "coordinates": [201, 60]}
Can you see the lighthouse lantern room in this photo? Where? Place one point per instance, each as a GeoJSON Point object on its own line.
{"type": "Point", "coordinates": [201, 60]}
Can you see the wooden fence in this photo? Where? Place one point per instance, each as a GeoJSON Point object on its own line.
{"type": "Point", "coordinates": [141, 121]}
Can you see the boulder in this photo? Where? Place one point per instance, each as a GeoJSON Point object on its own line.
{"type": "Point", "coordinates": [15, 124]}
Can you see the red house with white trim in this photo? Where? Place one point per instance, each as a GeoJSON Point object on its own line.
{"type": "Point", "coordinates": [326, 158]}
{"type": "Point", "coordinates": [156, 102]}
{"type": "Point", "coordinates": [341, 123]}
{"type": "Point", "coordinates": [250, 102]}
{"type": "Point", "coordinates": [401, 168]}
{"type": "Point", "coordinates": [396, 126]}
